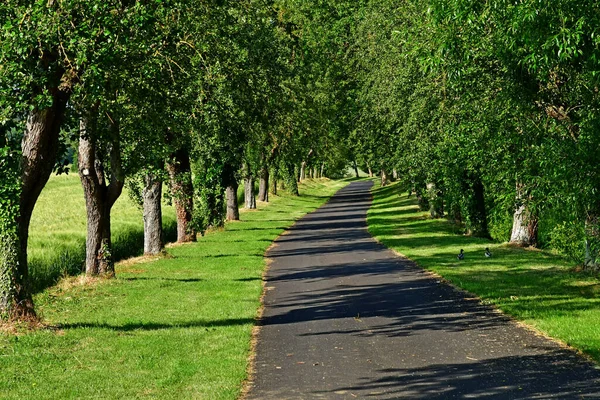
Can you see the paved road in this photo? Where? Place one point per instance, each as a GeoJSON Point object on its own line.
{"type": "Point", "coordinates": [346, 318]}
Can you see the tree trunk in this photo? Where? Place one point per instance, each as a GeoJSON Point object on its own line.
{"type": "Point", "coordinates": [384, 179]}
{"type": "Point", "coordinates": [322, 170]}
{"type": "Point", "coordinates": [395, 174]}
{"type": "Point", "coordinates": [355, 169]}
{"type": "Point", "coordinates": [183, 194]}
{"type": "Point", "coordinates": [153, 233]}
{"type": "Point", "coordinates": [13, 303]}
{"type": "Point", "coordinates": [274, 186]}
{"type": "Point", "coordinates": [455, 214]}
{"type": "Point", "coordinates": [525, 224]}
{"type": "Point", "coordinates": [435, 200]}
{"type": "Point", "coordinates": [263, 185]}
{"type": "Point", "coordinates": [274, 179]}
{"type": "Point", "coordinates": [101, 193]}
{"type": "Point", "coordinates": [233, 212]}
{"type": "Point", "coordinates": [420, 190]}
{"type": "Point", "coordinates": [592, 242]}
{"type": "Point", "coordinates": [370, 171]}
{"type": "Point", "coordinates": [477, 218]}
{"type": "Point", "coordinates": [293, 184]}
{"type": "Point", "coordinates": [39, 148]}
{"type": "Point", "coordinates": [249, 197]}
{"type": "Point", "coordinates": [302, 171]}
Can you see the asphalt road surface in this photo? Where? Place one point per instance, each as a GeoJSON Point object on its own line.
{"type": "Point", "coordinates": [346, 318]}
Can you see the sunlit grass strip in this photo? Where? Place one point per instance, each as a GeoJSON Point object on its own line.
{"type": "Point", "coordinates": [537, 287]}
{"type": "Point", "coordinates": [173, 328]}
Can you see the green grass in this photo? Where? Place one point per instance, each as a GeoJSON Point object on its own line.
{"type": "Point", "coordinates": [58, 229]}
{"type": "Point", "coordinates": [537, 287]}
{"type": "Point", "coordinates": [175, 328]}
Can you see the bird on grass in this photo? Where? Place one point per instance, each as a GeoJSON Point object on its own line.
{"type": "Point", "coordinates": [461, 255]}
{"type": "Point", "coordinates": [488, 254]}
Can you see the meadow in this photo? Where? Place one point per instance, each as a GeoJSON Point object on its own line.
{"type": "Point", "coordinates": [168, 327]}
{"type": "Point", "coordinates": [58, 229]}
{"type": "Point", "coordinates": [541, 289]}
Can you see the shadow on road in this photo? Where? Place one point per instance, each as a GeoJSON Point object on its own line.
{"type": "Point", "coordinates": [332, 283]}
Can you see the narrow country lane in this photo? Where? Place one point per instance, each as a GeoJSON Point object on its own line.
{"type": "Point", "coordinates": [346, 318]}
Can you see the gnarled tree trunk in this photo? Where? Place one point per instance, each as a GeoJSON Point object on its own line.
{"type": "Point", "coordinates": [525, 224]}
{"type": "Point", "coordinates": [100, 192]}
{"type": "Point", "coordinates": [153, 232]}
{"type": "Point", "coordinates": [180, 177]}
{"type": "Point", "coordinates": [39, 148]}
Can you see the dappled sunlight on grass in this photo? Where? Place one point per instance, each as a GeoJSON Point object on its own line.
{"type": "Point", "coordinates": [535, 286]}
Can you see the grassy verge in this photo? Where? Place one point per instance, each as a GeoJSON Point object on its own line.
{"type": "Point", "coordinates": [537, 287]}
{"type": "Point", "coordinates": [58, 229]}
{"type": "Point", "coordinates": [173, 328]}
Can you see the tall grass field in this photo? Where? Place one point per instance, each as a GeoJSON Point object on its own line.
{"type": "Point", "coordinates": [542, 289]}
{"type": "Point", "coordinates": [58, 230]}
{"type": "Point", "coordinates": [174, 327]}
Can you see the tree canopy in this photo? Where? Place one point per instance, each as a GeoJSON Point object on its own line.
{"type": "Point", "coordinates": [487, 111]}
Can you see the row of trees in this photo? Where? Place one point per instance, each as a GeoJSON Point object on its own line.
{"type": "Point", "coordinates": [198, 94]}
{"type": "Point", "coordinates": [488, 111]}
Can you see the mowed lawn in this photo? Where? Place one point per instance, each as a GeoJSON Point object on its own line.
{"type": "Point", "coordinates": [537, 287]}
{"type": "Point", "coordinates": [171, 328]}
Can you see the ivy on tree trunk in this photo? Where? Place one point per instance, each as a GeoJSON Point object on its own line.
{"type": "Point", "coordinates": [182, 189]}
{"type": "Point", "coordinates": [39, 148]}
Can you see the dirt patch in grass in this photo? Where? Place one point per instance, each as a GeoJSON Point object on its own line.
{"type": "Point", "coordinates": [72, 282]}
{"type": "Point", "coordinates": [124, 265]}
